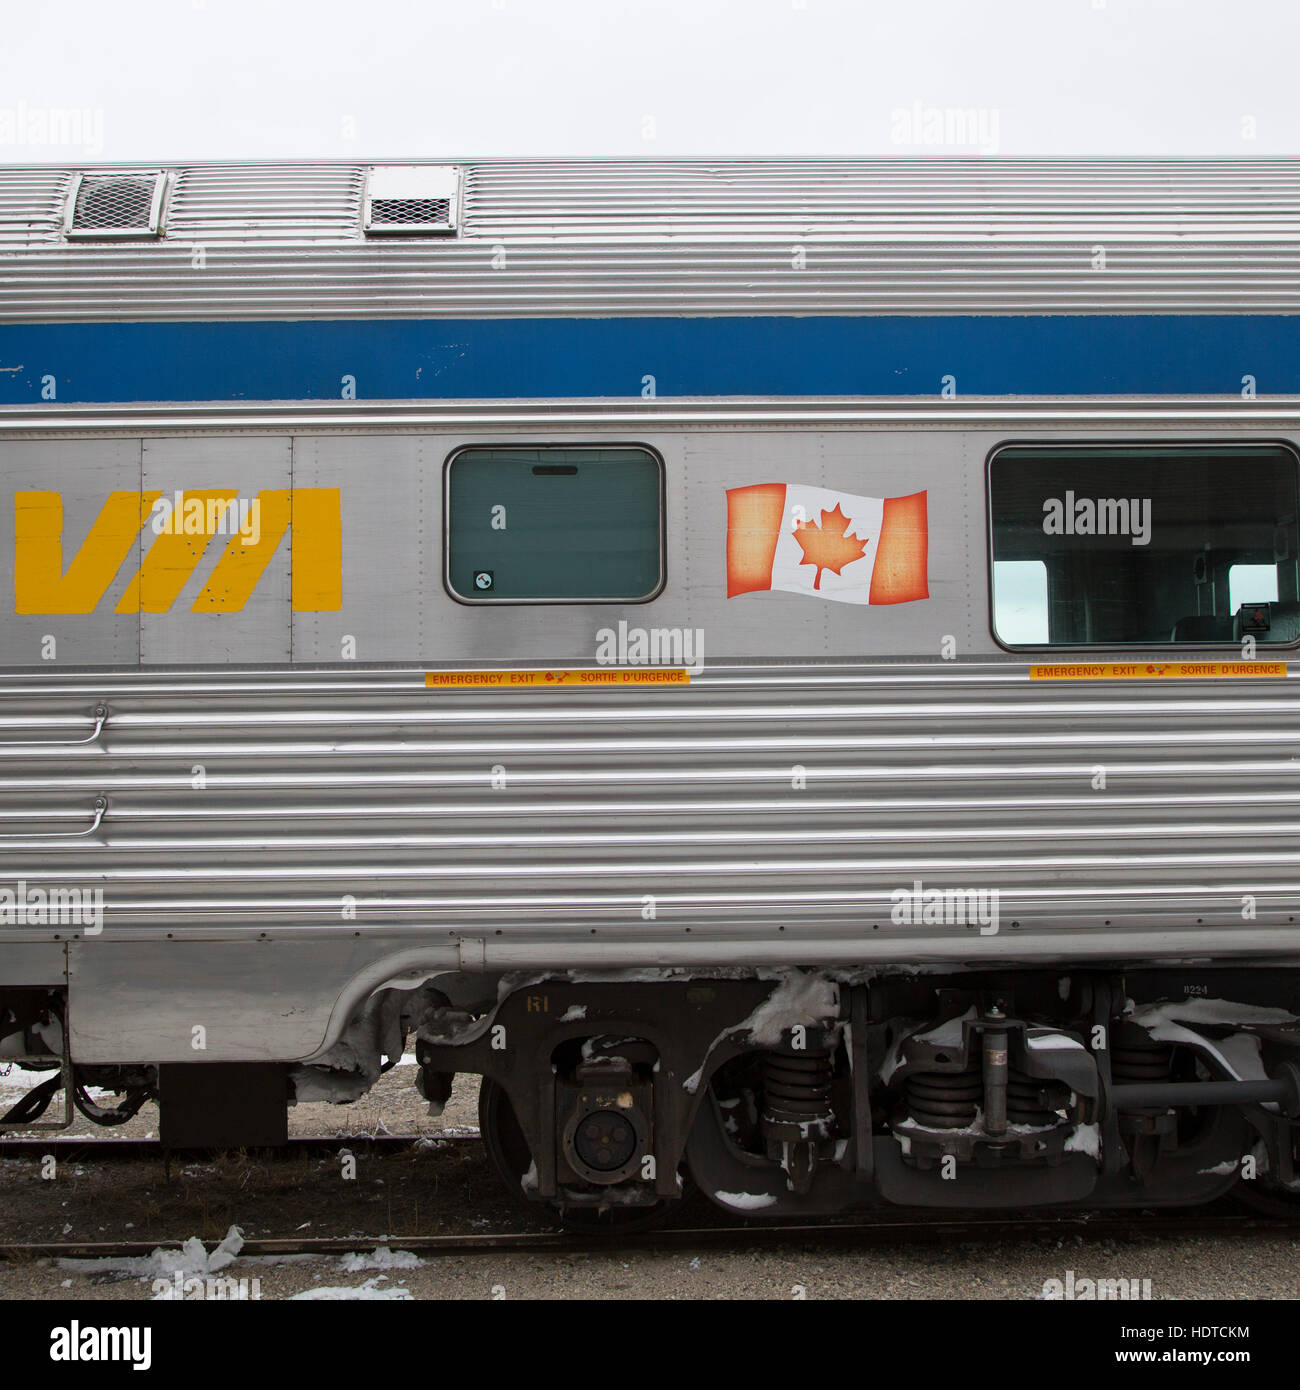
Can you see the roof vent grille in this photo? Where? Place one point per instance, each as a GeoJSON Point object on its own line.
{"type": "Point", "coordinates": [411, 199]}
{"type": "Point", "coordinates": [409, 212]}
{"type": "Point", "coordinates": [115, 205]}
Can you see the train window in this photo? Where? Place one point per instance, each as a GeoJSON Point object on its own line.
{"type": "Point", "coordinates": [554, 524]}
{"type": "Point", "coordinates": [1021, 587]}
{"type": "Point", "coordinates": [1109, 545]}
{"type": "Point", "coordinates": [1251, 584]}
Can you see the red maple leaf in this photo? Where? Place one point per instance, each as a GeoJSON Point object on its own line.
{"type": "Point", "coordinates": [828, 546]}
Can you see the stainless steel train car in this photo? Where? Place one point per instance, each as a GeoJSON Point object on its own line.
{"type": "Point", "coordinates": [782, 668]}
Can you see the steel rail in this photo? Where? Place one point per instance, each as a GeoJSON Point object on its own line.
{"type": "Point", "coordinates": [908, 1228]}
{"type": "Point", "coordinates": [78, 1148]}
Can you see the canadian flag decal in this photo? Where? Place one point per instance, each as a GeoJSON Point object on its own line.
{"type": "Point", "coordinates": [811, 540]}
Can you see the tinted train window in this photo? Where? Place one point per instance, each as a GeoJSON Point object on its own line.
{"type": "Point", "coordinates": [554, 524]}
{"type": "Point", "coordinates": [1178, 544]}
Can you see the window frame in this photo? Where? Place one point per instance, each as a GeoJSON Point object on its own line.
{"type": "Point", "coordinates": [1234, 442]}
{"type": "Point", "coordinates": [584, 445]}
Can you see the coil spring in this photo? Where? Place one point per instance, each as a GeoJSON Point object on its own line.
{"type": "Point", "coordinates": [798, 1086]}
{"type": "Point", "coordinates": [944, 1099]}
{"type": "Point", "coordinates": [948, 1100]}
{"type": "Point", "coordinates": [1025, 1103]}
{"type": "Point", "coordinates": [1141, 1061]}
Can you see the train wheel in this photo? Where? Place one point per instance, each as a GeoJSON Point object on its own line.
{"type": "Point", "coordinates": [1267, 1201]}
{"type": "Point", "coordinates": [512, 1158]}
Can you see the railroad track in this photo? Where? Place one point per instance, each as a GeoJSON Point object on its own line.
{"type": "Point", "coordinates": [137, 1149]}
{"type": "Point", "coordinates": [863, 1234]}
{"type": "Point", "coordinates": [889, 1227]}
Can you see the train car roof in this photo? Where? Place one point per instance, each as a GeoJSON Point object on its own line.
{"type": "Point", "coordinates": [652, 237]}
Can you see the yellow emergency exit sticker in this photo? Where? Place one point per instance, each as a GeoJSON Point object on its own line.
{"type": "Point", "coordinates": [514, 680]}
{"type": "Point", "coordinates": [1157, 670]}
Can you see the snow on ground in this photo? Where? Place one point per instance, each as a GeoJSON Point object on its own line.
{"type": "Point", "coordinates": [367, 1292]}
{"type": "Point", "coordinates": [185, 1273]}
{"type": "Point", "coordinates": [15, 1083]}
{"type": "Point", "coordinates": [380, 1258]}
{"type": "Point", "coordinates": [190, 1260]}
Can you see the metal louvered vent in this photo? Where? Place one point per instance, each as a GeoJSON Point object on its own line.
{"type": "Point", "coordinates": [115, 205]}
{"type": "Point", "coordinates": [409, 212]}
{"type": "Point", "coordinates": [411, 199]}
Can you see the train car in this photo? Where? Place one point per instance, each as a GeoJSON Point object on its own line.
{"type": "Point", "coordinates": [781, 668]}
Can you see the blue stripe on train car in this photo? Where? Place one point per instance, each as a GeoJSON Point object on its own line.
{"type": "Point", "coordinates": [575, 357]}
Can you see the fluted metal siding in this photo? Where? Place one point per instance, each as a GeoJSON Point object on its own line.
{"type": "Point", "coordinates": [321, 785]}
{"type": "Point", "coordinates": [887, 195]}
{"type": "Point", "coordinates": [268, 202]}
{"type": "Point", "coordinates": [674, 237]}
{"type": "Point", "coordinates": [32, 203]}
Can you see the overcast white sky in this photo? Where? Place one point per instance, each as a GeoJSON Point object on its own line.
{"type": "Point", "coordinates": [174, 80]}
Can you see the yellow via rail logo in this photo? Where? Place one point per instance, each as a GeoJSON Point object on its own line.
{"type": "Point", "coordinates": [311, 515]}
